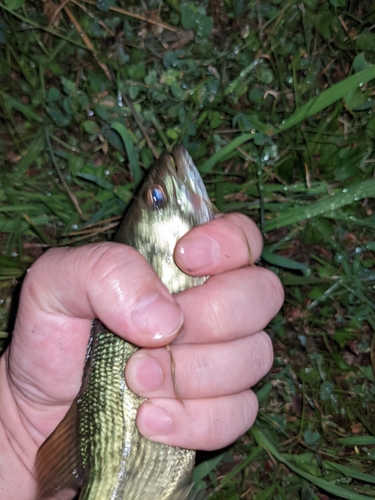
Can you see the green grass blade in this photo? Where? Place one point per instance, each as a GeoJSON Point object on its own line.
{"type": "Point", "coordinates": [278, 260]}
{"type": "Point", "coordinates": [27, 111]}
{"type": "Point", "coordinates": [34, 151]}
{"type": "Point", "coordinates": [340, 492]}
{"type": "Point", "coordinates": [328, 97]}
{"type": "Point", "coordinates": [225, 151]}
{"type": "Point", "coordinates": [247, 460]}
{"type": "Point", "coordinates": [264, 391]}
{"type": "Point", "coordinates": [96, 180]}
{"type": "Point", "coordinates": [365, 189]}
{"type": "Point", "coordinates": [349, 472]}
{"type": "Point", "coordinates": [129, 147]}
{"type": "Point", "coordinates": [204, 468]}
{"type": "Point", "coordinates": [20, 226]}
{"type": "Point", "coordinates": [357, 440]}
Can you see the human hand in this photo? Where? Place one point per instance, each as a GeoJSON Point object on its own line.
{"type": "Point", "coordinates": [218, 354]}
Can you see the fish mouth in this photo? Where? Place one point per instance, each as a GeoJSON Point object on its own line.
{"type": "Point", "coordinates": [186, 175]}
{"type": "Point", "coordinates": [186, 172]}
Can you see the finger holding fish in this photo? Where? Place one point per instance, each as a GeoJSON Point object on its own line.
{"type": "Point", "coordinates": [207, 424]}
{"type": "Point", "coordinates": [230, 305]}
{"type": "Point", "coordinates": [229, 241]}
{"type": "Point", "coordinates": [219, 347]}
{"type": "Point", "coordinates": [201, 370]}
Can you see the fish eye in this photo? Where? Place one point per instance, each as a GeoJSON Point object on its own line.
{"type": "Point", "coordinates": [155, 196]}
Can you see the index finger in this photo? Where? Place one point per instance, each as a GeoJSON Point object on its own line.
{"type": "Point", "coordinates": [227, 242]}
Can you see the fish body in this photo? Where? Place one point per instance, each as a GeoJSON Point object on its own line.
{"type": "Point", "coordinates": [97, 447]}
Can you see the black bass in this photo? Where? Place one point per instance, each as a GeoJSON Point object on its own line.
{"type": "Point", "coordinates": [97, 448]}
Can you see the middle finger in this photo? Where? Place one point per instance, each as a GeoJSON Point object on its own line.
{"type": "Point", "coordinates": [229, 306]}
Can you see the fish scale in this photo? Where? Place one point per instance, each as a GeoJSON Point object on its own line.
{"type": "Point", "coordinates": [97, 448]}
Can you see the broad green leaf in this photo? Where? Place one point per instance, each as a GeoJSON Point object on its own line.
{"type": "Point", "coordinates": [105, 5]}
{"type": "Point", "coordinates": [91, 127]}
{"type": "Point", "coordinates": [14, 4]}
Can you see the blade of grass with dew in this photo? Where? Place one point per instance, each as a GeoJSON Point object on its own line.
{"type": "Point", "coordinates": [349, 472]}
{"type": "Point", "coordinates": [96, 180]}
{"type": "Point", "coordinates": [328, 97]}
{"type": "Point", "coordinates": [129, 146]}
{"type": "Point", "coordinates": [38, 231]}
{"type": "Point", "coordinates": [34, 151]}
{"type": "Point", "coordinates": [264, 128]}
{"type": "Point", "coordinates": [51, 31]}
{"type": "Point", "coordinates": [314, 106]}
{"type": "Point", "coordinates": [11, 226]}
{"type": "Point", "coordinates": [365, 189]}
{"type": "Point", "coordinates": [340, 492]}
{"type": "Point", "coordinates": [224, 152]}
{"type": "Point", "coordinates": [353, 220]}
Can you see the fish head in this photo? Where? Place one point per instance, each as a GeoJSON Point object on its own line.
{"type": "Point", "coordinates": [171, 201]}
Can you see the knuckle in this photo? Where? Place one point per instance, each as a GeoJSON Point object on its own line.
{"type": "Point", "coordinates": [274, 288]}
{"type": "Point", "coordinates": [217, 420]}
{"type": "Point", "coordinates": [250, 230]}
{"type": "Point", "coordinates": [106, 261]}
{"type": "Point", "coordinates": [103, 254]}
{"type": "Point", "coordinates": [266, 350]}
{"type": "Point", "coordinates": [41, 296]}
{"type": "Point", "coordinates": [230, 418]}
{"type": "Point", "coordinates": [249, 406]}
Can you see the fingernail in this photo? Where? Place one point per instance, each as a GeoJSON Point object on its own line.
{"type": "Point", "coordinates": [197, 254]}
{"type": "Point", "coordinates": [144, 374]}
{"type": "Point", "coordinates": [157, 317]}
{"type": "Point", "coordinates": [156, 421]}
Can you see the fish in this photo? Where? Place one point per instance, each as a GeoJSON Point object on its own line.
{"type": "Point", "coordinates": [97, 448]}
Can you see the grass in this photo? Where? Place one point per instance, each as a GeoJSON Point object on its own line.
{"type": "Point", "coordinates": [274, 100]}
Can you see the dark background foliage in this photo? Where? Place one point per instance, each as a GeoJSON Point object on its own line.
{"type": "Point", "coordinates": [274, 100]}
